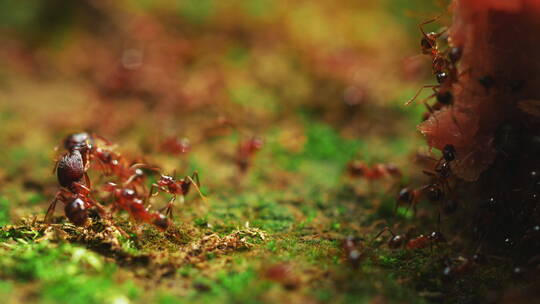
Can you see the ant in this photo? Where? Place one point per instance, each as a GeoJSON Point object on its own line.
{"type": "Point", "coordinates": [77, 201]}
{"type": "Point", "coordinates": [399, 240]}
{"type": "Point", "coordinates": [128, 200]}
{"type": "Point", "coordinates": [464, 266]}
{"type": "Point", "coordinates": [444, 67]}
{"type": "Point", "coordinates": [411, 197]}
{"type": "Point", "coordinates": [423, 241]}
{"type": "Point", "coordinates": [175, 145]}
{"type": "Point", "coordinates": [428, 43]}
{"type": "Point", "coordinates": [176, 187]}
{"type": "Point", "coordinates": [360, 169]}
{"type": "Point", "coordinates": [443, 169]}
{"type": "Point", "coordinates": [352, 248]}
{"type": "Point", "coordinates": [246, 150]}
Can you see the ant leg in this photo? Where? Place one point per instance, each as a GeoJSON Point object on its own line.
{"type": "Point", "coordinates": [420, 91]}
{"type": "Point", "coordinates": [421, 25]}
{"type": "Point", "coordinates": [169, 207]}
{"type": "Point", "coordinates": [50, 210]}
{"type": "Point", "coordinates": [87, 181]}
{"type": "Point", "coordinates": [150, 193]}
{"type": "Point", "coordinates": [383, 231]}
{"type": "Point", "coordinates": [197, 186]}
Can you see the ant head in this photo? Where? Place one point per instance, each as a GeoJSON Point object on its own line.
{"type": "Point", "coordinates": [165, 180]}
{"type": "Point", "coordinates": [76, 212]}
{"type": "Point", "coordinates": [356, 168]}
{"type": "Point", "coordinates": [449, 153]}
{"type": "Point", "coordinates": [161, 222]}
{"type": "Point", "coordinates": [405, 195]}
{"type": "Point", "coordinates": [428, 42]}
{"type": "Point", "coordinates": [437, 237]}
{"type": "Point", "coordinates": [396, 241]}
{"type": "Point", "coordinates": [80, 141]}
{"type": "Point", "coordinates": [442, 77]}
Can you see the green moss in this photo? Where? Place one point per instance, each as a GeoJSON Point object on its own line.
{"type": "Point", "coordinates": [4, 211]}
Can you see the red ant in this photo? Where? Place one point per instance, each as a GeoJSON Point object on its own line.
{"type": "Point", "coordinates": [112, 163]}
{"type": "Point", "coordinates": [399, 240]}
{"type": "Point", "coordinates": [246, 151]}
{"type": "Point", "coordinates": [422, 241]}
{"type": "Point", "coordinates": [464, 266]}
{"type": "Point", "coordinates": [443, 170]}
{"type": "Point", "coordinates": [352, 248]}
{"type": "Point", "coordinates": [444, 67]}
{"type": "Point", "coordinates": [127, 199]}
{"type": "Point", "coordinates": [176, 187]}
{"type": "Point", "coordinates": [175, 145]}
{"type": "Point", "coordinates": [378, 171]}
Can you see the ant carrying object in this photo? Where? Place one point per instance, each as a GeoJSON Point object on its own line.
{"type": "Point", "coordinates": [128, 200]}
{"type": "Point", "coordinates": [375, 172]}
{"type": "Point", "coordinates": [246, 151]}
{"type": "Point", "coordinates": [176, 187]}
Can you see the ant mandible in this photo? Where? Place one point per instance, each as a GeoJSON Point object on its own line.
{"type": "Point", "coordinates": [176, 187]}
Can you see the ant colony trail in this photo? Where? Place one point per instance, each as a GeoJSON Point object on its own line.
{"type": "Point", "coordinates": [255, 151]}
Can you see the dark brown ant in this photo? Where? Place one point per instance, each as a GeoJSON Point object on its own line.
{"type": "Point", "coordinates": [77, 201]}
{"type": "Point", "coordinates": [360, 169]}
{"type": "Point", "coordinates": [245, 152]}
{"type": "Point", "coordinates": [127, 199]}
{"type": "Point", "coordinates": [176, 187]}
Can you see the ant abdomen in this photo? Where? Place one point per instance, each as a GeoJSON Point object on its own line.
{"type": "Point", "coordinates": [76, 212]}
{"type": "Point", "coordinates": [70, 169]}
{"type": "Point", "coordinates": [161, 222]}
